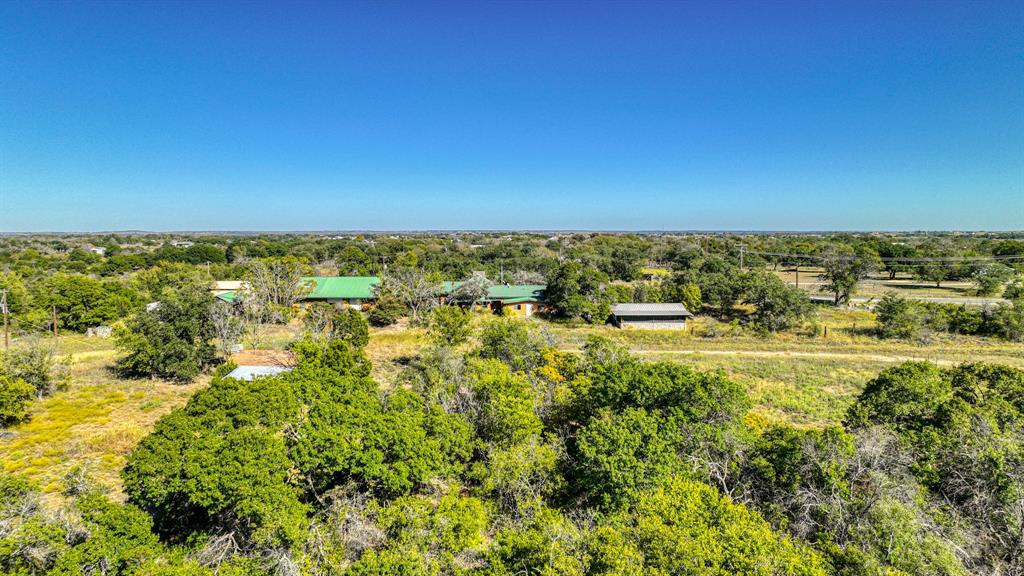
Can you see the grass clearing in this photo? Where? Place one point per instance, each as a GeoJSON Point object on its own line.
{"type": "Point", "coordinates": [880, 284]}
{"type": "Point", "coordinates": [805, 378]}
{"type": "Point", "coordinates": [804, 392]}
{"type": "Point", "coordinates": [95, 423]}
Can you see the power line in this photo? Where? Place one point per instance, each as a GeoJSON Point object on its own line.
{"type": "Point", "coordinates": [907, 259]}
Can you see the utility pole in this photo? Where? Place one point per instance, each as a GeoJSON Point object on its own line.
{"type": "Point", "coordinates": [798, 276]}
{"type": "Point", "coordinates": [3, 309]}
{"type": "Point", "coordinates": [741, 256]}
{"type": "Point", "coordinates": [53, 318]}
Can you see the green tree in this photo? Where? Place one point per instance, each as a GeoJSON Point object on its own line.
{"type": "Point", "coordinates": [777, 305]}
{"type": "Point", "coordinates": [504, 413]}
{"type": "Point", "coordinates": [689, 295]}
{"type": "Point", "coordinates": [685, 527]}
{"type": "Point", "coordinates": [82, 302]}
{"type": "Point", "coordinates": [624, 453]}
{"type": "Point", "coordinates": [963, 426]}
{"type": "Point", "coordinates": [577, 292]}
{"type": "Point", "coordinates": [172, 339]}
{"type": "Point", "coordinates": [350, 325]}
{"type": "Point", "coordinates": [513, 342]}
{"type": "Point", "coordinates": [403, 442]}
{"type": "Point", "coordinates": [908, 394]}
{"type": "Point", "coordinates": [844, 267]}
{"type": "Point", "coordinates": [385, 311]}
{"type": "Point", "coordinates": [353, 261]}
{"type": "Point", "coordinates": [990, 278]}
{"type": "Point", "coordinates": [220, 463]}
{"type": "Point", "coordinates": [18, 297]}
{"type": "Point", "coordinates": [720, 285]}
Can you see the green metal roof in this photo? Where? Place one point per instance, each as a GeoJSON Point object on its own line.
{"type": "Point", "coordinates": [517, 292]}
{"type": "Point", "coordinates": [228, 297]}
{"type": "Point", "coordinates": [507, 293]}
{"type": "Point", "coordinates": [342, 287]}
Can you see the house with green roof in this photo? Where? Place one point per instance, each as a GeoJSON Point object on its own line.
{"type": "Point", "coordinates": [353, 291]}
{"type": "Point", "coordinates": [509, 299]}
{"type": "Point", "coordinates": [349, 290]}
{"type": "Point", "coordinates": [518, 299]}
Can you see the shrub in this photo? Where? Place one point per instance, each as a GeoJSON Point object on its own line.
{"type": "Point", "coordinates": [899, 318]}
{"type": "Point", "coordinates": [386, 311]}
{"type": "Point", "coordinates": [349, 325]}
{"type": "Point", "coordinates": [513, 342]}
{"type": "Point", "coordinates": [449, 325]}
{"type": "Point", "coordinates": [686, 527]}
{"type": "Point", "coordinates": [15, 396]}
{"type": "Point", "coordinates": [37, 364]}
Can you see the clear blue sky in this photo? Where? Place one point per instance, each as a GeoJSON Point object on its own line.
{"type": "Point", "coordinates": [527, 115]}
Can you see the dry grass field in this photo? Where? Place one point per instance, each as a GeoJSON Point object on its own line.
{"type": "Point", "coordinates": [94, 424]}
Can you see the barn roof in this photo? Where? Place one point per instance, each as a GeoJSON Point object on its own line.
{"type": "Point", "coordinates": [651, 309]}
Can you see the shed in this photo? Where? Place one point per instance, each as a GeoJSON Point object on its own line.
{"type": "Point", "coordinates": [651, 315]}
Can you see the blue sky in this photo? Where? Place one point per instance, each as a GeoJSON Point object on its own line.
{"type": "Point", "coordinates": [528, 115]}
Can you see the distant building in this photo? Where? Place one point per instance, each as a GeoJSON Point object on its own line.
{"type": "Point", "coordinates": [660, 316]}
{"type": "Point", "coordinates": [99, 332]}
{"type": "Point", "coordinates": [98, 250]}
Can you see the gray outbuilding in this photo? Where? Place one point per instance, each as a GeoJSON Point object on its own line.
{"type": "Point", "coordinates": [651, 315]}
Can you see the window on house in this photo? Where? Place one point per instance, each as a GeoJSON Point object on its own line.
{"type": "Point", "coordinates": [519, 306]}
